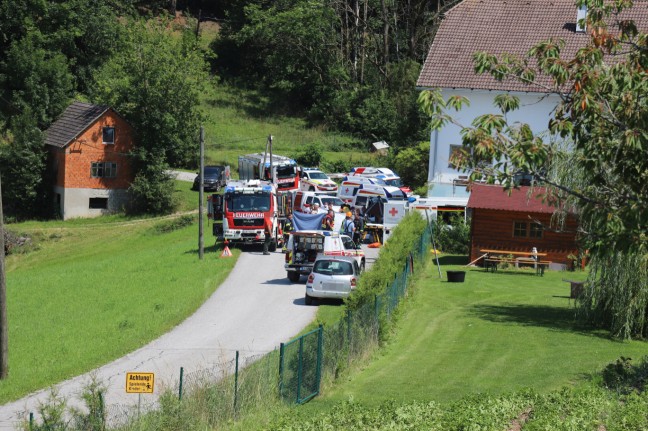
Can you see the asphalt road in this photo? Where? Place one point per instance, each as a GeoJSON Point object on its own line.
{"type": "Point", "coordinates": [254, 310]}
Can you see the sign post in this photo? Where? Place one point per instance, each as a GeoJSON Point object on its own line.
{"type": "Point", "coordinates": [140, 383]}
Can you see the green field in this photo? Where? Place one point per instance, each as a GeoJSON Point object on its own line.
{"type": "Point", "coordinates": [495, 333]}
{"type": "Point", "coordinates": [92, 290]}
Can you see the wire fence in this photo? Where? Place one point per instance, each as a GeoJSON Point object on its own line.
{"type": "Point", "coordinates": [292, 374]}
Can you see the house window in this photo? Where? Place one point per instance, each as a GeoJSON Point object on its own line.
{"type": "Point", "coordinates": [98, 203]}
{"type": "Point", "coordinates": [455, 151]}
{"type": "Point", "coordinates": [522, 229]}
{"type": "Point", "coordinates": [535, 230]}
{"type": "Point", "coordinates": [519, 229]}
{"type": "Point", "coordinates": [103, 170]}
{"type": "Point", "coordinates": [108, 135]}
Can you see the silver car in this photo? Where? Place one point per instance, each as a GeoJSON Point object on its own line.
{"type": "Point", "coordinates": [332, 277]}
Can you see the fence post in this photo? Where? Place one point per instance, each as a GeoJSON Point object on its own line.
{"type": "Point", "coordinates": [181, 381]}
{"type": "Point", "coordinates": [300, 367]}
{"type": "Point", "coordinates": [236, 372]}
{"type": "Point", "coordinates": [376, 308]}
{"type": "Point", "coordinates": [411, 259]}
{"type": "Point", "coordinates": [102, 415]}
{"type": "Point", "coordinates": [281, 361]}
{"type": "Point", "coordinates": [320, 353]}
{"type": "Point", "coordinates": [348, 319]}
{"type": "Point", "coordinates": [31, 421]}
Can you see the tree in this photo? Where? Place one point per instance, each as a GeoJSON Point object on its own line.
{"type": "Point", "coordinates": [410, 164]}
{"type": "Point", "coordinates": [154, 80]}
{"type": "Point", "coordinates": [592, 160]}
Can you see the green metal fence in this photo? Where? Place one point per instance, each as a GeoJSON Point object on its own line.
{"type": "Point", "coordinates": [300, 367]}
{"type": "Point", "coordinates": [238, 385]}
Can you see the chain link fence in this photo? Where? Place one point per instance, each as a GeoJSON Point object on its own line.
{"type": "Point", "coordinates": [293, 374]}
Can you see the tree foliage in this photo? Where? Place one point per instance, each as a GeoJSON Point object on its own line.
{"type": "Point", "coordinates": [154, 81]}
{"type": "Point", "coordinates": [351, 64]}
{"type": "Point", "coordinates": [591, 160]}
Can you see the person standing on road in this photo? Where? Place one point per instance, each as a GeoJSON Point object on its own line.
{"type": "Point", "coordinates": [328, 220]}
{"type": "Point", "coordinates": [288, 228]}
{"type": "Point", "coordinates": [348, 228]}
{"type": "Point", "coordinates": [358, 222]}
{"type": "Point", "coordinates": [267, 231]}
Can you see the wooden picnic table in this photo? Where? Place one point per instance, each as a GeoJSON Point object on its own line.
{"type": "Point", "coordinates": [507, 252]}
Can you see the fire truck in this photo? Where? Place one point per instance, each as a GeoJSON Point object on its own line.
{"type": "Point", "coordinates": [257, 167]}
{"type": "Point", "coordinates": [245, 206]}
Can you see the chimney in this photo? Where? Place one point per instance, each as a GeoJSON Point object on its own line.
{"type": "Point", "coordinates": [581, 15]}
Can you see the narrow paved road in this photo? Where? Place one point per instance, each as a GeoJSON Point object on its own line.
{"type": "Point", "coordinates": [254, 310]}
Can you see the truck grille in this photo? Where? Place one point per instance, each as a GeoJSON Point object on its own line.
{"type": "Point", "coordinates": [248, 222]}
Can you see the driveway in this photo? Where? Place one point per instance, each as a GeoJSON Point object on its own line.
{"type": "Point", "coordinates": [254, 310]}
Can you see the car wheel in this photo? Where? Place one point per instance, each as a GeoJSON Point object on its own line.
{"type": "Point", "coordinates": [309, 300]}
{"type": "Point", "coordinates": [273, 246]}
{"type": "Point", "coordinates": [293, 276]}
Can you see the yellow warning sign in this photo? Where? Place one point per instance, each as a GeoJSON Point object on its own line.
{"type": "Point", "coordinates": [139, 383]}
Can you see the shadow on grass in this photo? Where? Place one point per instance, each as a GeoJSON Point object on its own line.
{"type": "Point", "coordinates": [452, 260]}
{"type": "Point", "coordinates": [556, 318]}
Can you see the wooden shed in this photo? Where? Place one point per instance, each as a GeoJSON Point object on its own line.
{"type": "Point", "coordinates": [518, 222]}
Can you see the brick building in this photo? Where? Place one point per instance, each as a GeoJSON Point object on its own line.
{"type": "Point", "coordinates": [89, 155]}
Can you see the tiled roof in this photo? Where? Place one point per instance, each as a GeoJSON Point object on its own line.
{"type": "Point", "coordinates": [75, 119]}
{"type": "Point", "coordinates": [494, 197]}
{"type": "Point", "coordinates": [502, 26]}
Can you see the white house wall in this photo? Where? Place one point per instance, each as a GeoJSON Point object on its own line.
{"type": "Point", "coordinates": [535, 110]}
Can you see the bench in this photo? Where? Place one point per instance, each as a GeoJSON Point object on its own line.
{"type": "Point", "coordinates": [492, 263]}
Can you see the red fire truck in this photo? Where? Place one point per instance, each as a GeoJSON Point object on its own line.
{"type": "Point", "coordinates": [245, 207]}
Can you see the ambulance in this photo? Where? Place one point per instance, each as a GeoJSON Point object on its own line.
{"type": "Point", "coordinates": [387, 175]}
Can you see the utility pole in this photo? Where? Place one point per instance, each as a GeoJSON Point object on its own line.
{"type": "Point", "coordinates": [201, 196]}
{"type": "Point", "coordinates": [4, 350]}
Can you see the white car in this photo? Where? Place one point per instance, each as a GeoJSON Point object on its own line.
{"type": "Point", "coordinates": [316, 181]}
{"type": "Point", "coordinates": [332, 277]}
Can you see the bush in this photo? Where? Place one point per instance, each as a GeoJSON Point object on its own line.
{"type": "Point", "coordinates": [311, 156]}
{"type": "Point", "coordinates": [152, 190]}
{"type": "Point", "coordinates": [168, 226]}
{"type": "Point", "coordinates": [394, 253]}
{"type": "Point", "coordinates": [453, 238]}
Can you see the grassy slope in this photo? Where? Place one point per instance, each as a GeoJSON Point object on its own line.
{"type": "Point", "coordinates": [494, 333]}
{"type": "Point", "coordinates": [97, 289]}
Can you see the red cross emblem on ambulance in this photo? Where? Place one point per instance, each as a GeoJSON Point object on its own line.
{"type": "Point", "coordinates": [393, 212]}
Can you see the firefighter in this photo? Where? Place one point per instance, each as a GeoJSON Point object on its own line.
{"type": "Point", "coordinates": [328, 220]}
{"type": "Point", "coordinates": [268, 236]}
{"type": "Point", "coordinates": [287, 230]}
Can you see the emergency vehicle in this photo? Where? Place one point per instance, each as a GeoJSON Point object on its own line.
{"type": "Point", "coordinates": [245, 207]}
{"type": "Point", "coordinates": [305, 246]}
{"type": "Point", "coordinates": [387, 175]}
{"type": "Point", "coordinates": [314, 180]}
{"type": "Point", "coordinates": [257, 167]}
{"type": "Point", "coordinates": [357, 191]}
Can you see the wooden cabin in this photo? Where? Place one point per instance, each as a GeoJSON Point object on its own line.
{"type": "Point", "coordinates": [518, 222]}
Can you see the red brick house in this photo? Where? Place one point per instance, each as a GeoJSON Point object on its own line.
{"type": "Point", "coordinates": [89, 155]}
{"type": "Point", "coordinates": [518, 222]}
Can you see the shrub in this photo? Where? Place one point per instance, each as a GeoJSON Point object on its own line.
{"type": "Point", "coordinates": [394, 253]}
{"type": "Point", "coordinates": [173, 224]}
{"type": "Point", "coordinates": [310, 156]}
{"type": "Point", "coordinates": [453, 238]}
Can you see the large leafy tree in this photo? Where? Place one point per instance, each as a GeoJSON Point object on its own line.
{"type": "Point", "coordinates": [154, 81]}
{"type": "Point", "coordinates": [595, 159]}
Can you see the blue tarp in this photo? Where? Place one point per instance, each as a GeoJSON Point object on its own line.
{"type": "Point", "coordinates": [303, 221]}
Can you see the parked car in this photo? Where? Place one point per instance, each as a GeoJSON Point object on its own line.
{"type": "Point", "coordinates": [316, 180]}
{"type": "Point", "coordinates": [215, 178]}
{"type": "Point", "coordinates": [306, 246]}
{"type": "Point", "coordinates": [332, 277]}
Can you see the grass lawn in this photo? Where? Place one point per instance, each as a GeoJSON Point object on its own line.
{"type": "Point", "coordinates": [95, 289]}
{"type": "Point", "coordinates": [494, 333]}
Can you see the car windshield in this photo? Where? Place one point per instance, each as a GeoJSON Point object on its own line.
{"type": "Point", "coordinates": [248, 202]}
{"type": "Point", "coordinates": [318, 176]}
{"type": "Point", "coordinates": [333, 267]}
{"type": "Point", "coordinates": [286, 171]}
{"type": "Point", "coordinates": [335, 201]}
{"type": "Point", "coordinates": [395, 182]}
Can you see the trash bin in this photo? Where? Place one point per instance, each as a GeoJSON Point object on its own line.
{"type": "Point", "coordinates": [456, 276]}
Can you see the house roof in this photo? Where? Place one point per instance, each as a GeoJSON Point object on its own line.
{"type": "Point", "coordinates": [75, 119]}
{"type": "Point", "coordinates": [502, 26]}
{"type": "Point", "coordinates": [494, 197]}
